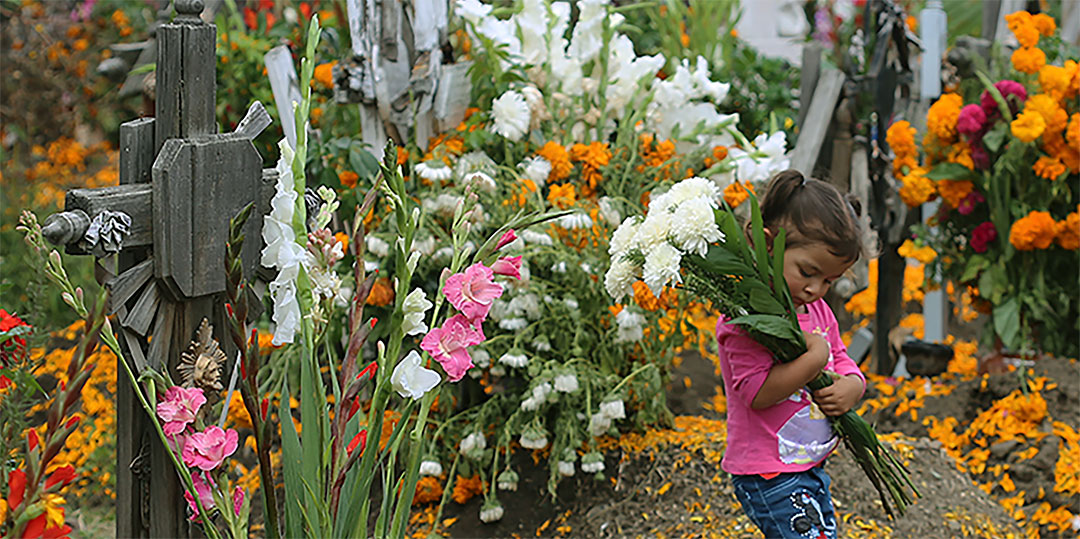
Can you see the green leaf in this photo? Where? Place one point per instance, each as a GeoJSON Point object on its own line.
{"type": "Point", "coordinates": [762, 300]}
{"type": "Point", "coordinates": [757, 229]}
{"type": "Point", "coordinates": [313, 441]}
{"type": "Point", "coordinates": [769, 324]}
{"type": "Point", "coordinates": [950, 171]}
{"type": "Point", "coordinates": [362, 162]}
{"type": "Point", "coordinates": [290, 465]}
{"type": "Point", "coordinates": [1007, 322]}
{"type": "Point", "coordinates": [975, 264]}
{"type": "Point", "coordinates": [995, 137]}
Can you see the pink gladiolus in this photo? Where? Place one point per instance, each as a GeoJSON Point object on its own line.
{"type": "Point", "coordinates": [506, 238]}
{"type": "Point", "coordinates": [472, 292]}
{"type": "Point", "coordinates": [207, 450]}
{"type": "Point", "coordinates": [238, 500]}
{"type": "Point", "coordinates": [202, 490]}
{"type": "Point", "coordinates": [982, 236]}
{"type": "Point", "coordinates": [509, 266]}
{"type": "Point", "coordinates": [179, 408]}
{"type": "Point", "coordinates": [448, 345]}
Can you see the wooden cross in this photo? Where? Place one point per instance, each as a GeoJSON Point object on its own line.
{"type": "Point", "coordinates": [180, 183]}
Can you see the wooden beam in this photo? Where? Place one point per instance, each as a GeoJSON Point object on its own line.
{"type": "Point", "coordinates": [812, 132]}
{"type": "Point", "coordinates": [123, 287]}
{"type": "Point", "coordinates": [132, 199]}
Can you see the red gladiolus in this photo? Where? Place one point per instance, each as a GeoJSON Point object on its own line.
{"type": "Point", "coordinates": [64, 474]}
{"type": "Point", "coordinates": [5, 382]}
{"type": "Point", "coordinates": [353, 408]}
{"type": "Point", "coordinates": [73, 421]}
{"type": "Point", "coordinates": [265, 404]}
{"type": "Point", "coordinates": [32, 437]}
{"type": "Point", "coordinates": [17, 486]}
{"type": "Point", "coordinates": [369, 370]}
{"type": "Point", "coordinates": [360, 439]}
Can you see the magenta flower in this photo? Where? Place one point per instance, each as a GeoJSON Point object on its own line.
{"type": "Point", "coordinates": [982, 236]}
{"type": "Point", "coordinates": [509, 266]}
{"type": "Point", "coordinates": [979, 157]}
{"type": "Point", "coordinates": [968, 204]}
{"type": "Point", "coordinates": [473, 291]}
{"type": "Point", "coordinates": [449, 345]}
{"type": "Point", "coordinates": [971, 120]}
{"type": "Point", "coordinates": [202, 490]}
{"type": "Point", "coordinates": [238, 499]}
{"type": "Point", "coordinates": [179, 408]}
{"type": "Point", "coordinates": [1013, 92]}
{"type": "Point", "coordinates": [207, 450]}
{"type": "Point", "coordinates": [506, 238]}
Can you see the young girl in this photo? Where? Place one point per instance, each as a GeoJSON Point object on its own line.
{"type": "Point", "coordinates": [778, 435]}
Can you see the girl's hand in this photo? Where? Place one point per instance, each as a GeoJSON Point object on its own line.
{"type": "Point", "coordinates": [817, 349]}
{"type": "Point", "coordinates": [839, 397]}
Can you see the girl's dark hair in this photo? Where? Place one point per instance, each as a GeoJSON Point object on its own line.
{"type": "Point", "coordinates": [813, 211]}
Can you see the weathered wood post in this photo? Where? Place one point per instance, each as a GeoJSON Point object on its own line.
{"type": "Point", "coordinates": [180, 185]}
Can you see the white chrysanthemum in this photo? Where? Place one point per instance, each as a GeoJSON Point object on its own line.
{"type": "Point", "coordinates": [653, 231]}
{"type": "Point", "coordinates": [511, 113]}
{"type": "Point", "coordinates": [623, 237]}
{"type": "Point", "coordinates": [491, 511]}
{"type": "Point", "coordinates": [431, 467]}
{"type": "Point", "coordinates": [535, 169]}
{"type": "Point", "coordinates": [576, 220]}
{"type": "Point", "coordinates": [377, 246]}
{"type": "Point", "coordinates": [513, 324]}
{"type": "Point", "coordinates": [613, 409]}
{"type": "Point", "coordinates": [620, 277]}
{"type": "Point", "coordinates": [472, 444]}
{"type": "Point", "coordinates": [599, 424]}
{"type": "Point", "coordinates": [631, 326]}
{"type": "Point", "coordinates": [566, 469]}
{"type": "Point", "coordinates": [511, 359]}
{"type": "Point", "coordinates": [529, 442]}
{"type": "Point", "coordinates": [566, 383]}
{"type": "Point", "coordinates": [539, 238]}
{"type": "Point", "coordinates": [472, 10]}
{"type": "Point", "coordinates": [694, 226]}
{"type": "Point", "coordinates": [607, 210]}
{"type": "Point", "coordinates": [661, 267]}
{"type": "Point", "coordinates": [415, 307]}
{"type": "Point", "coordinates": [434, 170]}
{"type": "Point", "coordinates": [695, 187]}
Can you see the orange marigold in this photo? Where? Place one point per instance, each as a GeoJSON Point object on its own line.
{"type": "Point", "coordinates": [961, 154]}
{"type": "Point", "coordinates": [402, 156]}
{"type": "Point", "coordinates": [1028, 126]}
{"type": "Point", "coordinates": [917, 188]}
{"type": "Point", "coordinates": [719, 153]}
{"type": "Point", "coordinates": [324, 75]}
{"type": "Point", "coordinates": [737, 192]}
{"type": "Point", "coordinates": [1036, 231]}
{"type": "Point", "coordinates": [1067, 233]}
{"type": "Point", "coordinates": [942, 116]}
{"type": "Point", "coordinates": [954, 191]}
{"type": "Point", "coordinates": [1044, 24]}
{"type": "Point", "coordinates": [559, 159]}
{"type": "Point", "coordinates": [467, 487]}
{"type": "Point", "coordinates": [1023, 27]}
{"type": "Point", "coordinates": [1072, 133]}
{"type": "Point", "coordinates": [428, 489]}
{"type": "Point", "coordinates": [1055, 117]}
{"type": "Point", "coordinates": [381, 293]}
{"type": "Point", "coordinates": [1028, 59]}
{"type": "Point", "coordinates": [595, 154]}
{"type": "Point", "coordinates": [1049, 167]}
{"type": "Point", "coordinates": [1054, 81]}
{"type": "Point", "coordinates": [348, 178]}
{"type": "Point", "coordinates": [562, 196]}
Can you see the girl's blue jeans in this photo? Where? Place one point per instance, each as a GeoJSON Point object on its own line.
{"type": "Point", "coordinates": [790, 505]}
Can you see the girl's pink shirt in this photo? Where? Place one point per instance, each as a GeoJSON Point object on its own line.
{"type": "Point", "coordinates": [793, 435]}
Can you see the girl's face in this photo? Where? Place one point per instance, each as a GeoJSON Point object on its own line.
{"type": "Point", "coordinates": [809, 270]}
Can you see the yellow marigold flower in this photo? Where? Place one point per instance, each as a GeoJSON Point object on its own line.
{"type": "Point", "coordinates": [1054, 81]}
{"type": "Point", "coordinates": [1073, 70]}
{"type": "Point", "coordinates": [562, 196]}
{"type": "Point", "coordinates": [1036, 231]}
{"type": "Point", "coordinates": [1049, 167]}
{"type": "Point", "coordinates": [1055, 117]}
{"type": "Point", "coordinates": [1072, 133]}
{"type": "Point", "coordinates": [737, 192]}
{"type": "Point", "coordinates": [1028, 59]}
{"type": "Point", "coordinates": [917, 188]}
{"type": "Point", "coordinates": [1023, 27]}
{"type": "Point", "coordinates": [961, 154]}
{"type": "Point", "coordinates": [942, 116]}
{"type": "Point", "coordinates": [324, 74]}
{"type": "Point", "coordinates": [595, 155]}
{"type": "Point", "coordinates": [923, 254]}
{"type": "Point", "coordinates": [1044, 24]}
{"type": "Point", "coordinates": [901, 137]}
{"type": "Point", "coordinates": [1028, 126]}
{"type": "Point", "coordinates": [1067, 234]}
{"type": "Point", "coordinates": [54, 510]}
{"type": "Point", "coordinates": [559, 159]}
{"type": "Point", "coordinates": [954, 191]}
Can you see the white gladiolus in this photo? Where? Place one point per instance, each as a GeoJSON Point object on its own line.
{"type": "Point", "coordinates": [620, 277]}
{"type": "Point", "coordinates": [623, 237]}
{"type": "Point", "coordinates": [613, 409]}
{"type": "Point", "coordinates": [511, 113]}
{"type": "Point", "coordinates": [566, 383]}
{"type": "Point", "coordinates": [566, 469]}
{"type": "Point", "coordinates": [431, 467]}
{"type": "Point", "coordinates": [535, 169]}
{"type": "Point", "coordinates": [765, 160]}
{"type": "Point", "coordinates": [491, 511]}
{"type": "Point", "coordinates": [694, 226]}
{"type": "Point", "coordinates": [631, 326]}
{"type": "Point", "coordinates": [661, 267]}
{"type": "Point", "coordinates": [415, 308]}
{"type": "Point", "coordinates": [514, 360]}
{"type": "Point", "coordinates": [411, 380]}
{"type": "Point", "coordinates": [473, 443]}
{"type": "Point", "coordinates": [434, 170]}
{"type": "Point", "coordinates": [472, 10]}
{"type": "Point", "coordinates": [283, 252]}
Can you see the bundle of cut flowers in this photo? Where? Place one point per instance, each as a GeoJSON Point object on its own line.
{"type": "Point", "coordinates": [1003, 156]}
{"type": "Point", "coordinates": [688, 238]}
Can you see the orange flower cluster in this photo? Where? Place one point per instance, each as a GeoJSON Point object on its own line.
{"type": "Point", "coordinates": [1067, 234]}
{"type": "Point", "coordinates": [559, 159]}
{"type": "Point", "coordinates": [467, 487]}
{"type": "Point", "coordinates": [924, 253]}
{"type": "Point", "coordinates": [562, 196]}
{"type": "Point", "coordinates": [1027, 28]}
{"type": "Point", "coordinates": [738, 192]}
{"type": "Point", "coordinates": [954, 191]}
{"type": "Point", "coordinates": [428, 489]}
{"type": "Point", "coordinates": [942, 116]}
{"type": "Point", "coordinates": [645, 299]}
{"type": "Point", "coordinates": [1035, 231]}
{"type": "Point", "coordinates": [659, 155]}
{"type": "Point", "coordinates": [917, 188]}
{"type": "Point", "coordinates": [324, 75]}
{"type": "Point", "coordinates": [901, 138]}
{"type": "Point", "coordinates": [592, 157]}
{"type": "Point", "coordinates": [580, 238]}
{"type": "Point", "coordinates": [524, 188]}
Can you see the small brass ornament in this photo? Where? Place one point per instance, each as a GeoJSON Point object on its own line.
{"type": "Point", "coordinates": [200, 365]}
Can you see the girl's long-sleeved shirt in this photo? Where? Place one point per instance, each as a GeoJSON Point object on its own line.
{"type": "Point", "coordinates": [792, 435]}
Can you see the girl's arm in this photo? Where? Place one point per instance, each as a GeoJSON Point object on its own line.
{"type": "Point", "coordinates": [785, 379]}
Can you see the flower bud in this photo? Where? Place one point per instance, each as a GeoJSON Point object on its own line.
{"type": "Point", "coordinates": [414, 258]}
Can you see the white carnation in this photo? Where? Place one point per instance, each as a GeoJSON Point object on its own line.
{"type": "Point", "coordinates": [694, 225]}
{"type": "Point", "coordinates": [535, 169]}
{"type": "Point", "coordinates": [661, 267]}
{"type": "Point", "coordinates": [623, 237]}
{"type": "Point", "coordinates": [511, 113]}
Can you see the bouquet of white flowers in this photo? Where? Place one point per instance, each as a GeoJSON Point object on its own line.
{"type": "Point", "coordinates": [691, 237]}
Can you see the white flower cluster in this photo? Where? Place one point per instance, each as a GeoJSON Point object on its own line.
{"type": "Point", "coordinates": [685, 104]}
{"type": "Point", "coordinates": [507, 480]}
{"type": "Point", "coordinates": [631, 325]}
{"type": "Point", "coordinates": [766, 159]}
{"type": "Point", "coordinates": [534, 437]}
{"type": "Point", "coordinates": [538, 397]}
{"type": "Point", "coordinates": [600, 422]}
{"type": "Point", "coordinates": [491, 511]}
{"type": "Point", "coordinates": [592, 462]}
{"type": "Point", "coordinates": [473, 445]}
{"type": "Point", "coordinates": [679, 222]}
{"type": "Point", "coordinates": [283, 252]}
{"type": "Point", "coordinates": [566, 464]}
